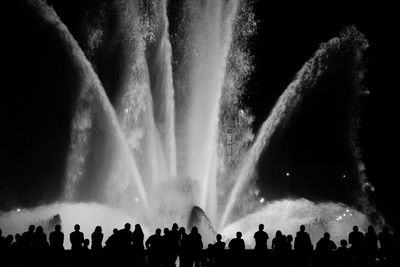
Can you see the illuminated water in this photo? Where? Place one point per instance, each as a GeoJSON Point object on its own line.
{"type": "Point", "coordinates": [154, 154]}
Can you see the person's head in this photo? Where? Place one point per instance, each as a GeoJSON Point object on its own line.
{"type": "Point", "coordinates": [261, 227]}
{"type": "Point", "coordinates": [278, 233]}
{"type": "Point", "coordinates": [17, 237]}
{"type": "Point", "coordinates": [127, 226]}
{"type": "Point", "coordinates": [175, 227]}
{"type": "Point", "coordinates": [115, 231]}
{"type": "Point", "coordinates": [158, 231]}
{"type": "Point", "coordinates": [219, 237]}
{"type": "Point", "coordinates": [39, 229]}
{"type": "Point", "coordinates": [289, 238]}
{"type": "Point", "coordinates": [166, 231]}
{"type": "Point", "coordinates": [194, 230]}
{"type": "Point", "coordinates": [182, 230]}
{"type": "Point", "coordinates": [31, 228]}
{"type": "Point", "coordinates": [327, 236]}
{"type": "Point", "coordinates": [355, 228]}
{"type": "Point", "coordinates": [343, 243]}
{"type": "Point", "coordinates": [57, 228]}
{"type": "Point", "coordinates": [77, 227]}
{"type": "Point", "coordinates": [98, 229]}
{"type": "Point", "coordinates": [302, 228]}
{"type": "Point", "coordinates": [371, 229]}
{"type": "Point", "coordinates": [138, 228]}
{"type": "Point", "coordinates": [238, 235]}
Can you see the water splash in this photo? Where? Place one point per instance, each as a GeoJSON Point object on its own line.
{"type": "Point", "coordinates": [286, 105]}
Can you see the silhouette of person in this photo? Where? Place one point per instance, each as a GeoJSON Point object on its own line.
{"type": "Point", "coordinates": [386, 242]}
{"type": "Point", "coordinates": [183, 251]}
{"type": "Point", "coordinates": [261, 238]}
{"type": "Point", "coordinates": [154, 247]}
{"type": "Point", "coordinates": [302, 246]}
{"type": "Point", "coordinates": [125, 237]}
{"type": "Point", "coordinates": [27, 237]}
{"type": "Point", "coordinates": [324, 251]}
{"type": "Point", "coordinates": [76, 238]}
{"type": "Point", "coordinates": [97, 239]}
{"type": "Point", "coordinates": [371, 243]}
{"type": "Point", "coordinates": [166, 258]}
{"type": "Point", "coordinates": [56, 239]}
{"type": "Point", "coordinates": [236, 247]}
{"type": "Point", "coordinates": [137, 245]}
{"type": "Point", "coordinates": [112, 240]}
{"type": "Point", "coordinates": [279, 242]}
{"type": "Point", "coordinates": [325, 244]}
{"type": "Point", "coordinates": [343, 257]}
{"type": "Point", "coordinates": [219, 249]}
{"type": "Point", "coordinates": [40, 239]}
{"type": "Point", "coordinates": [174, 237]}
{"type": "Point", "coordinates": [289, 240]}
{"type": "Point", "coordinates": [195, 246]}
{"type": "Point", "coordinates": [356, 240]}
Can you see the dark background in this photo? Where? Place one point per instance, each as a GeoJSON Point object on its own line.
{"type": "Point", "coordinates": [38, 90]}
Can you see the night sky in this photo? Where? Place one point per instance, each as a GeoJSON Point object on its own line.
{"type": "Point", "coordinates": [38, 90]}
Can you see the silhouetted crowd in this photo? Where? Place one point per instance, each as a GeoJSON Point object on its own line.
{"type": "Point", "coordinates": [175, 247]}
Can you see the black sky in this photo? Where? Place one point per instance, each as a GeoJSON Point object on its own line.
{"type": "Point", "coordinates": [37, 96]}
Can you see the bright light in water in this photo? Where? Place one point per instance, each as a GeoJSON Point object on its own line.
{"type": "Point", "coordinates": [262, 200]}
{"type": "Point", "coordinates": [344, 175]}
{"type": "Point", "coordinates": [18, 210]}
{"type": "Point", "coordinates": [287, 174]}
{"type": "Point", "coordinates": [136, 199]}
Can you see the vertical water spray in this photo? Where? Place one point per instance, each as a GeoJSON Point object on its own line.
{"type": "Point", "coordinates": [92, 98]}
{"type": "Point", "coordinates": [287, 103]}
{"type": "Point", "coordinates": [135, 102]}
{"type": "Point", "coordinates": [159, 56]}
{"type": "Point", "coordinates": [210, 36]}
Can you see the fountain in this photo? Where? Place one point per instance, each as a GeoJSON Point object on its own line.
{"type": "Point", "coordinates": [152, 155]}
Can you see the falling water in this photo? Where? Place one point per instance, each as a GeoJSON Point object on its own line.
{"type": "Point", "coordinates": [287, 103]}
{"type": "Point", "coordinates": [92, 99]}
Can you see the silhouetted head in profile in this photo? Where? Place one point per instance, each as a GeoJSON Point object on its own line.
{"type": "Point", "coordinates": [57, 228]}
{"type": "Point", "coordinates": [343, 243]}
{"type": "Point", "coordinates": [175, 227]}
{"type": "Point", "coordinates": [261, 227]}
{"type": "Point", "coordinates": [355, 228]}
{"type": "Point", "coordinates": [31, 228]}
{"type": "Point", "coordinates": [127, 226]}
{"type": "Point", "coordinates": [115, 231]}
{"type": "Point", "coordinates": [77, 227]}
{"type": "Point", "coordinates": [219, 237]}
{"type": "Point", "coordinates": [238, 235]}
{"type": "Point", "coordinates": [302, 228]}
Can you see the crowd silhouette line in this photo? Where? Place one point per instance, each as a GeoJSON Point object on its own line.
{"type": "Point", "coordinates": [175, 247]}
